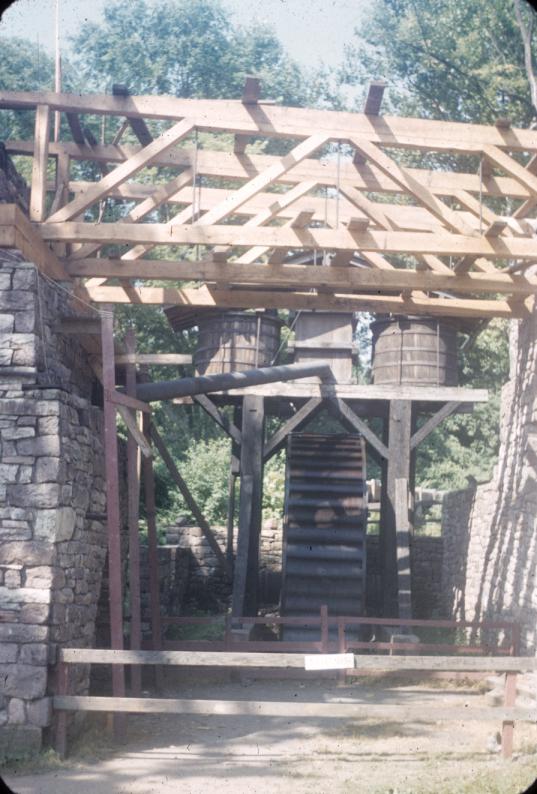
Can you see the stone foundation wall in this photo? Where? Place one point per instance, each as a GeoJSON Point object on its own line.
{"type": "Point", "coordinates": [52, 538]}
{"type": "Point", "coordinates": [208, 590]}
{"type": "Point", "coordinates": [490, 530]}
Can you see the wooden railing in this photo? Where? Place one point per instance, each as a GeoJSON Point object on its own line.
{"type": "Point", "coordinates": [325, 622]}
{"type": "Point", "coordinates": [508, 714]}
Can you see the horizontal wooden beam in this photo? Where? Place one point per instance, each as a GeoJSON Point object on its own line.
{"type": "Point", "coordinates": [228, 165]}
{"type": "Point", "coordinates": [274, 120]}
{"type": "Point", "coordinates": [234, 299]}
{"type": "Point", "coordinates": [359, 393]}
{"type": "Point", "coordinates": [159, 359]}
{"type": "Point", "coordinates": [294, 708]}
{"type": "Point", "coordinates": [387, 242]}
{"type": "Point", "coordinates": [297, 276]}
{"type": "Point", "coordinates": [485, 664]}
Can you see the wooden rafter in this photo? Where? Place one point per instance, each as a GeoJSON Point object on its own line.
{"type": "Point", "coordinates": [122, 172]}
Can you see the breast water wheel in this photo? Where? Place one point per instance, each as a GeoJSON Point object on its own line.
{"type": "Point", "coordinates": [324, 529]}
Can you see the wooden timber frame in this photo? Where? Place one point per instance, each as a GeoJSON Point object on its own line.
{"type": "Point", "coordinates": [454, 240]}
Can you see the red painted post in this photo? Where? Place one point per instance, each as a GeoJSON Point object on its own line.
{"type": "Point", "coordinates": [60, 728]}
{"type": "Point", "coordinates": [324, 628]}
{"type": "Point", "coordinates": [509, 698]}
{"type": "Point", "coordinates": [112, 510]}
{"type": "Point", "coordinates": [133, 483]}
{"type": "Point", "coordinates": [152, 543]}
{"type": "Point", "coordinates": [342, 675]}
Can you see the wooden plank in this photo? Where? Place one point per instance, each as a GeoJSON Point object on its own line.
{"type": "Point", "coordinates": [375, 93]}
{"type": "Point", "coordinates": [76, 128]}
{"type": "Point", "coordinates": [298, 420]}
{"type": "Point", "coordinates": [402, 527]}
{"type": "Point", "coordinates": [160, 359]}
{"type": "Point", "coordinates": [160, 195]}
{"type": "Point", "coordinates": [398, 467]}
{"type": "Point", "coordinates": [228, 299]}
{"type": "Point", "coordinates": [275, 120]}
{"type": "Point", "coordinates": [399, 174]}
{"type": "Point", "coordinates": [387, 242]}
{"type": "Point", "coordinates": [134, 431]}
{"type": "Point", "coordinates": [300, 710]}
{"type": "Point", "coordinates": [148, 472]}
{"type": "Point", "coordinates": [133, 516]}
{"type": "Point", "coordinates": [486, 664]}
{"type": "Point", "coordinates": [231, 166]}
{"type": "Point", "coordinates": [38, 192]}
{"type": "Point", "coordinates": [189, 499]}
{"type": "Point", "coordinates": [423, 394]}
{"type": "Point", "coordinates": [263, 180]}
{"type": "Point", "coordinates": [246, 569]}
{"type": "Point", "coordinates": [123, 172]}
{"type": "Point", "coordinates": [141, 130]}
{"type": "Point", "coordinates": [432, 423]}
{"type": "Point", "coordinates": [226, 424]}
{"type": "Point", "coordinates": [502, 160]}
{"type": "Point", "coordinates": [119, 398]}
{"type": "Point", "coordinates": [350, 419]}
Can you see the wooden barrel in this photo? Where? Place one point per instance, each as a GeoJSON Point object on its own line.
{"type": "Point", "coordinates": [414, 351]}
{"type": "Point", "coordinates": [236, 341]}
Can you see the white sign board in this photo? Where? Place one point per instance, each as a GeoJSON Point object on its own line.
{"type": "Point", "coordinates": [329, 661]}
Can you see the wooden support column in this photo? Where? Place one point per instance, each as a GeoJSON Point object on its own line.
{"type": "Point", "coordinates": [245, 581]}
{"type": "Point", "coordinates": [112, 509]}
{"type": "Point", "coordinates": [38, 193]}
{"type": "Point", "coordinates": [398, 468]}
{"type": "Point", "coordinates": [133, 487]}
{"type": "Point", "coordinates": [152, 542]}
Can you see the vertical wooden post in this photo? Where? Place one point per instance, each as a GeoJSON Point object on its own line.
{"type": "Point", "coordinates": [112, 508]}
{"type": "Point", "coordinates": [152, 543]}
{"type": "Point", "coordinates": [133, 484]}
{"type": "Point", "coordinates": [245, 581]}
{"type": "Point", "coordinates": [60, 728]}
{"type": "Point", "coordinates": [508, 727]}
{"type": "Point", "coordinates": [398, 467]}
{"type": "Point", "coordinates": [230, 517]}
{"type": "Point", "coordinates": [38, 193]}
{"type": "Point", "coordinates": [324, 628]}
{"type": "Point", "coordinates": [402, 528]}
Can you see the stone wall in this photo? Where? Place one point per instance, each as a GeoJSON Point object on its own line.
{"type": "Point", "coordinates": [208, 590]}
{"type": "Point", "coordinates": [52, 537]}
{"type": "Point", "coordinates": [490, 531]}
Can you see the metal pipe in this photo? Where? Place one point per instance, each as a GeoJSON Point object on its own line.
{"type": "Point", "coordinates": [203, 384]}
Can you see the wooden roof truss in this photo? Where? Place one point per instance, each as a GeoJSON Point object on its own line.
{"type": "Point", "coordinates": [230, 218]}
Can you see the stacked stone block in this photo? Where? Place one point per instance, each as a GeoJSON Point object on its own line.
{"type": "Point", "coordinates": [52, 537]}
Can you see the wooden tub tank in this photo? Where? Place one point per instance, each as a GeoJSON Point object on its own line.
{"type": "Point", "coordinates": [236, 341]}
{"type": "Point", "coordinates": [414, 351]}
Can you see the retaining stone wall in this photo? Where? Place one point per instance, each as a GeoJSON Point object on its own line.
{"type": "Point", "coordinates": [52, 548]}
{"type": "Point", "coordinates": [490, 531]}
{"type": "Point", "coordinates": [208, 590]}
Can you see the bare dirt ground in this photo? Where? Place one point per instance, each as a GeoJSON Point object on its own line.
{"type": "Point", "coordinates": [232, 755]}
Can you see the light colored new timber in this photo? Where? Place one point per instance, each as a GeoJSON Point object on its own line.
{"type": "Point", "coordinates": [271, 120]}
{"type": "Point", "coordinates": [38, 192]}
{"type": "Point", "coordinates": [122, 172]}
{"type": "Point", "coordinates": [297, 276]}
{"type": "Point", "coordinates": [161, 359]}
{"type": "Point", "coordinates": [335, 710]}
{"type": "Point", "coordinates": [232, 166]}
{"type": "Point", "coordinates": [233, 299]}
{"type": "Point", "coordinates": [287, 237]}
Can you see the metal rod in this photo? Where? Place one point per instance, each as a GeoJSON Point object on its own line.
{"type": "Point", "coordinates": [133, 488]}
{"type": "Point", "coordinates": [203, 384]}
{"type": "Point", "coordinates": [112, 509]}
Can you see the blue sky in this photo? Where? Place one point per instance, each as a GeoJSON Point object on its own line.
{"type": "Point", "coordinates": [311, 30]}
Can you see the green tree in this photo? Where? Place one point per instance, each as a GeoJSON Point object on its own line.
{"type": "Point", "coordinates": [445, 59]}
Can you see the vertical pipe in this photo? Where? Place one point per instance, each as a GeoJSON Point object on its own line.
{"type": "Point", "coordinates": [112, 508]}
{"type": "Point", "coordinates": [230, 518]}
{"type": "Point", "coordinates": [509, 698]}
{"type": "Point", "coordinates": [133, 484]}
{"type": "Point", "coordinates": [152, 543]}
{"type": "Point", "coordinates": [342, 675]}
